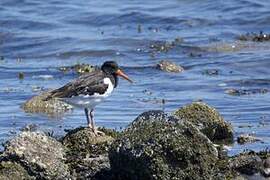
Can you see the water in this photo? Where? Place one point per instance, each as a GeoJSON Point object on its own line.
{"type": "Point", "coordinates": [37, 37]}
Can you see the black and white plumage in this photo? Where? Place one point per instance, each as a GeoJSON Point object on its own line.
{"type": "Point", "coordinates": [90, 89]}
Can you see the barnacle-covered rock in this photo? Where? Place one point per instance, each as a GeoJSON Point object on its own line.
{"type": "Point", "coordinates": [87, 154]}
{"type": "Point", "coordinates": [42, 155]}
{"type": "Point", "coordinates": [208, 120]}
{"type": "Point", "coordinates": [154, 147]}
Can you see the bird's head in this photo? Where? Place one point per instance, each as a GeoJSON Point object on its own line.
{"type": "Point", "coordinates": [111, 67]}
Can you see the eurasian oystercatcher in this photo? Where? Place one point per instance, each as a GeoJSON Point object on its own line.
{"type": "Point", "coordinates": [91, 89]}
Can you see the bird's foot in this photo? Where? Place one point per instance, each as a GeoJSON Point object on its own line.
{"type": "Point", "coordinates": [97, 132]}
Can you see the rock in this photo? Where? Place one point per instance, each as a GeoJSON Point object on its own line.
{"type": "Point", "coordinates": [246, 138]}
{"type": "Point", "coordinates": [211, 72]}
{"type": "Point", "coordinates": [153, 148]}
{"type": "Point", "coordinates": [241, 92]}
{"type": "Point", "coordinates": [256, 37]}
{"type": "Point", "coordinates": [87, 154]}
{"type": "Point", "coordinates": [148, 117]}
{"type": "Point", "coordinates": [79, 68]}
{"type": "Point", "coordinates": [246, 163]}
{"type": "Point", "coordinates": [51, 107]}
{"type": "Point", "coordinates": [41, 155]}
{"type": "Point", "coordinates": [168, 66]}
{"type": "Point", "coordinates": [30, 128]}
{"type": "Point", "coordinates": [12, 170]}
{"type": "Point", "coordinates": [208, 120]}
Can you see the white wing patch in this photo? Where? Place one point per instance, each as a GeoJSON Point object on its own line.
{"type": "Point", "coordinates": [86, 101]}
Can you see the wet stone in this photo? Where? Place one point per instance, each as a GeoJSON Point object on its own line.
{"type": "Point", "coordinates": [169, 66]}
{"type": "Point", "coordinates": [247, 138]}
{"type": "Point", "coordinates": [79, 68]}
{"type": "Point", "coordinates": [165, 46]}
{"type": "Point", "coordinates": [21, 75]}
{"type": "Point", "coordinates": [241, 92]}
{"type": "Point", "coordinates": [51, 107]}
{"type": "Point", "coordinates": [255, 37]}
{"type": "Point", "coordinates": [211, 72]}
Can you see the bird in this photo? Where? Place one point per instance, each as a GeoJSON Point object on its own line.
{"type": "Point", "coordinates": [89, 90]}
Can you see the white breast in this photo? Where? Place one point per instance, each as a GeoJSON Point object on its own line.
{"type": "Point", "coordinates": [86, 101]}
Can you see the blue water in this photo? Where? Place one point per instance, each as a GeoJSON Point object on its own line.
{"type": "Point", "coordinates": [37, 37]}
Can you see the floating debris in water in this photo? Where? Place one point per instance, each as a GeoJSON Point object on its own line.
{"type": "Point", "coordinates": [241, 92]}
{"type": "Point", "coordinates": [256, 37]}
{"type": "Point", "coordinates": [21, 75]}
{"type": "Point", "coordinates": [169, 66]}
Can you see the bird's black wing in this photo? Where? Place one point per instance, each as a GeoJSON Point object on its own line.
{"type": "Point", "coordinates": [88, 84]}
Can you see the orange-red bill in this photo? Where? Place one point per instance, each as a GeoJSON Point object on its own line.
{"type": "Point", "coordinates": [123, 75]}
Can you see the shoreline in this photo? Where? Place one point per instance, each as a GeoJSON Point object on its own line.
{"type": "Point", "coordinates": [188, 143]}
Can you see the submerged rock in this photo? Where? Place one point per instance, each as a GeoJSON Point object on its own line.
{"type": "Point", "coordinates": [211, 72]}
{"type": "Point", "coordinates": [157, 148]}
{"type": "Point", "coordinates": [246, 138]}
{"type": "Point", "coordinates": [79, 68]}
{"type": "Point", "coordinates": [165, 46]}
{"type": "Point", "coordinates": [208, 120]}
{"type": "Point", "coordinates": [169, 66]}
{"type": "Point", "coordinates": [52, 106]}
{"type": "Point", "coordinates": [256, 37]}
{"type": "Point", "coordinates": [87, 154]}
{"type": "Point", "coordinates": [41, 155]}
{"type": "Point", "coordinates": [241, 92]}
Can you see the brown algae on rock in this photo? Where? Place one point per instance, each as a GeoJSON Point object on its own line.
{"type": "Point", "coordinates": [208, 120]}
{"type": "Point", "coordinates": [51, 107]}
{"type": "Point", "coordinates": [87, 154]}
{"type": "Point", "coordinates": [162, 149]}
{"type": "Point", "coordinates": [169, 66]}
